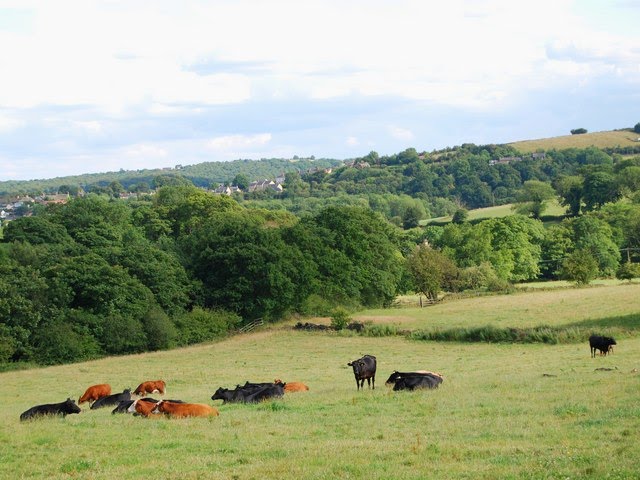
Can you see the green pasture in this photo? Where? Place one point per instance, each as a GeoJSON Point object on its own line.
{"type": "Point", "coordinates": [553, 210]}
{"type": "Point", "coordinates": [507, 411]}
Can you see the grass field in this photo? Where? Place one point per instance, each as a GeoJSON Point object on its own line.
{"type": "Point", "coordinates": [554, 209]}
{"type": "Point", "coordinates": [612, 138]}
{"type": "Point", "coordinates": [504, 410]}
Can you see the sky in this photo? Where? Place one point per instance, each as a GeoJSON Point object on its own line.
{"type": "Point", "coordinates": [93, 86]}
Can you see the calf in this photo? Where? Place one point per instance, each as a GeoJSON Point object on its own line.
{"type": "Point", "coordinates": [63, 408]}
{"type": "Point", "coordinates": [95, 392]}
{"type": "Point", "coordinates": [153, 386]}
{"type": "Point", "coordinates": [182, 410]}
{"type": "Point", "coordinates": [364, 369]}
{"type": "Point", "coordinates": [604, 344]}
{"type": "Point", "coordinates": [114, 399]}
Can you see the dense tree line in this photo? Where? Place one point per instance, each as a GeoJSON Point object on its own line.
{"type": "Point", "coordinates": [101, 276]}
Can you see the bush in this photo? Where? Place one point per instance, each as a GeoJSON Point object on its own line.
{"type": "Point", "coordinates": [316, 306]}
{"type": "Point", "coordinates": [340, 318]}
{"type": "Point", "coordinates": [628, 271]}
{"type": "Point", "coordinates": [160, 331]}
{"type": "Point", "coordinates": [579, 267]}
{"type": "Point", "coordinates": [578, 131]}
{"type": "Point", "coordinates": [201, 325]}
{"type": "Point", "coordinates": [60, 343]}
{"type": "Point", "coordinates": [637, 128]}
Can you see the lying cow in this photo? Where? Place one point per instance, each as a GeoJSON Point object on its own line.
{"type": "Point", "coordinates": [291, 386]}
{"type": "Point", "coordinates": [182, 410]}
{"type": "Point", "coordinates": [95, 392]}
{"type": "Point", "coordinates": [152, 386]}
{"type": "Point", "coordinates": [249, 393]}
{"type": "Point", "coordinates": [126, 405]}
{"type": "Point", "coordinates": [395, 376]}
{"type": "Point", "coordinates": [604, 344]}
{"type": "Point", "coordinates": [114, 399]}
{"type": "Point", "coordinates": [63, 408]}
{"type": "Point", "coordinates": [364, 369]}
{"type": "Point", "coordinates": [414, 380]}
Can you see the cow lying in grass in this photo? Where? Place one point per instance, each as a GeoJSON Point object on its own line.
{"type": "Point", "coordinates": [414, 380]}
{"type": "Point", "coordinates": [63, 408]}
{"type": "Point", "coordinates": [249, 393]}
{"type": "Point", "coordinates": [182, 410]}
{"type": "Point", "coordinates": [291, 386]}
{"type": "Point", "coordinates": [95, 392]}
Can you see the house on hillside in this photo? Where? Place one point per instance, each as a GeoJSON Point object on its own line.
{"type": "Point", "coordinates": [505, 160]}
{"type": "Point", "coordinates": [261, 185]}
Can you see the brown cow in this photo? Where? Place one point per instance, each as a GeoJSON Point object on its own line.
{"type": "Point", "coordinates": [154, 386]}
{"type": "Point", "coordinates": [95, 392]}
{"type": "Point", "coordinates": [143, 408]}
{"type": "Point", "coordinates": [182, 410]}
{"type": "Point", "coordinates": [292, 386]}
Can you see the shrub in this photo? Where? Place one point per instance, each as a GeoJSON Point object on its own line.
{"type": "Point", "coordinates": [578, 131]}
{"type": "Point", "coordinates": [628, 271]}
{"type": "Point", "coordinates": [579, 267]}
{"type": "Point", "coordinates": [340, 318]}
{"type": "Point", "coordinates": [201, 325]}
{"type": "Point", "coordinates": [637, 128]}
{"type": "Point", "coordinates": [59, 343]}
{"type": "Point", "coordinates": [316, 306]}
{"type": "Point", "coordinates": [160, 331]}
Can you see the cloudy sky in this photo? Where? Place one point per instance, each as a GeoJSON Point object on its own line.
{"type": "Point", "coordinates": [93, 86]}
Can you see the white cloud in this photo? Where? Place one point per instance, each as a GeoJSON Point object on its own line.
{"type": "Point", "coordinates": [145, 151]}
{"type": "Point", "coordinates": [352, 142]}
{"type": "Point", "coordinates": [239, 142]}
{"type": "Point", "coordinates": [401, 133]}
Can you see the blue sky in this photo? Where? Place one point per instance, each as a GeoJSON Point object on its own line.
{"type": "Point", "coordinates": [93, 86]}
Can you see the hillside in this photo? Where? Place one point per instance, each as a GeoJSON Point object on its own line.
{"type": "Point", "coordinates": [607, 139]}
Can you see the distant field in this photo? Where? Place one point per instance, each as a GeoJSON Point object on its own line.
{"type": "Point", "coordinates": [595, 305]}
{"type": "Point", "coordinates": [614, 138]}
{"type": "Point", "coordinates": [504, 410]}
{"type": "Point", "coordinates": [554, 209]}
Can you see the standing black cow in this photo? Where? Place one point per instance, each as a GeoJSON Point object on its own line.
{"type": "Point", "coordinates": [364, 369]}
{"type": "Point", "coordinates": [114, 399]}
{"type": "Point", "coordinates": [604, 344]}
{"type": "Point", "coordinates": [63, 408]}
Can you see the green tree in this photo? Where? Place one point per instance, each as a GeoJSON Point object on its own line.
{"type": "Point", "coordinates": [580, 267]}
{"type": "Point", "coordinates": [533, 197]}
{"type": "Point", "coordinates": [241, 181]}
{"type": "Point", "coordinates": [599, 187]}
{"type": "Point", "coordinates": [570, 190]}
{"type": "Point", "coordinates": [636, 129]}
{"type": "Point", "coordinates": [431, 271]}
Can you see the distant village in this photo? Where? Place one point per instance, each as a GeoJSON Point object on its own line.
{"type": "Point", "coordinates": [22, 205]}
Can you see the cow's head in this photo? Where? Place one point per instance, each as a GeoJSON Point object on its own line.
{"type": "Point", "coordinates": [71, 407]}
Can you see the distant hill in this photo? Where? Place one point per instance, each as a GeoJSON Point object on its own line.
{"type": "Point", "coordinates": [609, 139]}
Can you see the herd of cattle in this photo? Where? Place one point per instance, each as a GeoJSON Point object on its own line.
{"type": "Point", "coordinates": [364, 368]}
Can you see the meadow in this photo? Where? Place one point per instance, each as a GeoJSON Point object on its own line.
{"type": "Point", "coordinates": [504, 410]}
{"type": "Point", "coordinates": [604, 139]}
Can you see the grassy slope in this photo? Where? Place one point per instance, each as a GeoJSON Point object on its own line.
{"type": "Point", "coordinates": [496, 415]}
{"type": "Point", "coordinates": [613, 138]}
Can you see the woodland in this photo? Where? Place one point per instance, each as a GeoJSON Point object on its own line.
{"type": "Point", "coordinates": [176, 264]}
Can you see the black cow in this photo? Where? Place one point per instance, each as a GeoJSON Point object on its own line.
{"type": "Point", "coordinates": [395, 376]}
{"type": "Point", "coordinates": [604, 344]}
{"type": "Point", "coordinates": [114, 399]}
{"type": "Point", "coordinates": [63, 408]}
{"type": "Point", "coordinates": [364, 369]}
{"type": "Point", "coordinates": [249, 393]}
{"type": "Point", "coordinates": [413, 381]}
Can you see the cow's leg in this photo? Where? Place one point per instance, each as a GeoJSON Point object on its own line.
{"type": "Point", "coordinates": [373, 381]}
